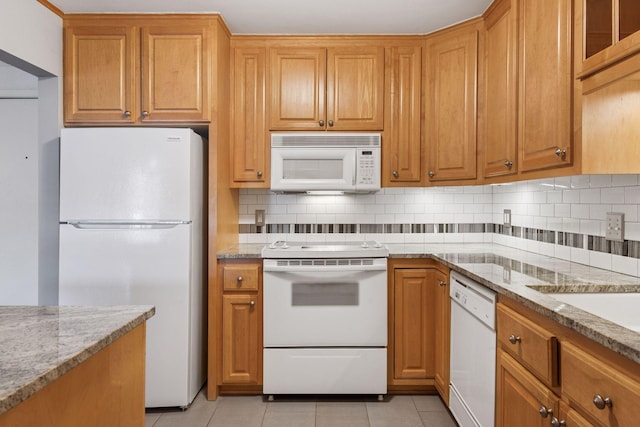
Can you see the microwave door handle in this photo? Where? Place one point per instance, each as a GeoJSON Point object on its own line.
{"type": "Point", "coordinates": [353, 175]}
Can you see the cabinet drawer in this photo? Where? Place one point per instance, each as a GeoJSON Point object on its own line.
{"type": "Point", "coordinates": [587, 380]}
{"type": "Point", "coordinates": [533, 346]}
{"type": "Point", "coordinates": [240, 277]}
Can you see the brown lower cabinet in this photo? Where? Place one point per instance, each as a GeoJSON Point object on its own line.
{"type": "Point", "coordinates": [240, 344]}
{"type": "Point", "coordinates": [419, 307]}
{"type": "Point", "coordinates": [548, 375]}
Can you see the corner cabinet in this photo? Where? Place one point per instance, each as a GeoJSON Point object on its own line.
{"type": "Point", "coordinates": [451, 63]}
{"type": "Point", "coordinates": [334, 88]}
{"type": "Point", "coordinates": [240, 345]}
{"type": "Point", "coordinates": [249, 135]}
{"type": "Point", "coordinates": [137, 69]}
{"type": "Point", "coordinates": [419, 326]}
{"type": "Point", "coordinates": [402, 145]}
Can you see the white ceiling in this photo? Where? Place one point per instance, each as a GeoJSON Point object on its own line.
{"type": "Point", "coordinates": [304, 16]}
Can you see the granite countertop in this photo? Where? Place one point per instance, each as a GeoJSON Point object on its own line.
{"type": "Point", "coordinates": [529, 278]}
{"type": "Point", "coordinates": [40, 344]}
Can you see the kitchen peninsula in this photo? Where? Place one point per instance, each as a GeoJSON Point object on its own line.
{"type": "Point", "coordinates": [67, 366]}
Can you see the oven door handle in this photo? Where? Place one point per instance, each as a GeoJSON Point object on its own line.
{"type": "Point", "coordinates": [324, 269]}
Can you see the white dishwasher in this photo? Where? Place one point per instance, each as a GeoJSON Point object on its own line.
{"type": "Point", "coordinates": [473, 352]}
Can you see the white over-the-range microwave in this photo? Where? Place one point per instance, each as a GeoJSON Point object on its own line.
{"type": "Point", "coordinates": [325, 161]}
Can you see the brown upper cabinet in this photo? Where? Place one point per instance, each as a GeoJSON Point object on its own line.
{"type": "Point", "coordinates": [545, 96]}
{"type": "Point", "coordinates": [402, 140]}
{"type": "Point", "coordinates": [335, 88]}
{"type": "Point", "coordinates": [128, 70]}
{"type": "Point", "coordinates": [527, 95]}
{"type": "Point", "coordinates": [498, 131]}
{"type": "Point", "coordinates": [249, 133]}
{"type": "Point", "coordinates": [608, 32]}
{"type": "Point", "coordinates": [451, 66]}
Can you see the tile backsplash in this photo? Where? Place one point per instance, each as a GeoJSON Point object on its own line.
{"type": "Point", "coordinates": [562, 217]}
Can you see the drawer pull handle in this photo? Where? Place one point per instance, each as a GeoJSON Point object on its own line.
{"type": "Point", "coordinates": [601, 402]}
{"type": "Point", "coordinates": [442, 283]}
{"type": "Point", "coordinates": [545, 412]}
{"type": "Point", "coordinates": [558, 423]}
{"type": "Point", "coordinates": [240, 278]}
{"type": "Point", "coordinates": [514, 339]}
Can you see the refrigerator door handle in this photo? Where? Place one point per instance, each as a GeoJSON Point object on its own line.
{"type": "Point", "coordinates": [112, 225]}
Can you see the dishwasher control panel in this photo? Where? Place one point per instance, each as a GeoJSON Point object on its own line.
{"type": "Point", "coordinates": [475, 298]}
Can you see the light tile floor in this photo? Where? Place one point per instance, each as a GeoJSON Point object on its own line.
{"type": "Point", "coordinates": [254, 411]}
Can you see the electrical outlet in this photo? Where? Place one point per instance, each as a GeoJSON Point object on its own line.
{"type": "Point", "coordinates": [506, 218]}
{"type": "Point", "coordinates": [615, 226]}
{"type": "Point", "coordinates": [259, 217]}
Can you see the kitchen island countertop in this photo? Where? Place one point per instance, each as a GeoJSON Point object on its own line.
{"type": "Point", "coordinates": [40, 344]}
{"type": "Point", "coordinates": [530, 279]}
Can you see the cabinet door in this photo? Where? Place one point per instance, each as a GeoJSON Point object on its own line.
{"type": "Point", "coordinates": [442, 334]}
{"type": "Point", "coordinates": [249, 137]}
{"type": "Point", "coordinates": [176, 71]}
{"type": "Point", "coordinates": [545, 81]}
{"type": "Point", "coordinates": [520, 397]}
{"type": "Point", "coordinates": [100, 74]}
{"type": "Point", "coordinates": [241, 346]}
{"type": "Point", "coordinates": [414, 317]}
{"type": "Point", "coordinates": [450, 127]}
{"type": "Point", "coordinates": [297, 79]}
{"type": "Point", "coordinates": [355, 88]}
{"type": "Point", "coordinates": [499, 125]}
{"type": "Point", "coordinates": [402, 164]}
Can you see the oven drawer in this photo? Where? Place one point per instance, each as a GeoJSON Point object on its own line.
{"type": "Point", "coordinates": [325, 371]}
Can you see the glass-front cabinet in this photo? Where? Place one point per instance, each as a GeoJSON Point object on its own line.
{"type": "Point", "coordinates": [608, 31]}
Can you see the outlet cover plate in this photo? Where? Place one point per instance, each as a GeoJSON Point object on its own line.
{"type": "Point", "coordinates": [259, 217]}
{"type": "Point", "coordinates": [615, 226]}
{"type": "Point", "coordinates": [506, 218]}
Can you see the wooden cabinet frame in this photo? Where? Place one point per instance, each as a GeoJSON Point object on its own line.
{"type": "Point", "coordinates": [418, 360]}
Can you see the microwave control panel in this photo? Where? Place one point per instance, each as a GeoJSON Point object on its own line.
{"type": "Point", "coordinates": [368, 168]}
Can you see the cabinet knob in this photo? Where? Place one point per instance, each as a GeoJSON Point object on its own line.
{"type": "Point", "coordinates": [442, 283]}
{"type": "Point", "coordinates": [145, 114]}
{"type": "Point", "coordinates": [432, 174]}
{"type": "Point", "coordinates": [561, 153]}
{"type": "Point", "coordinates": [508, 163]}
{"type": "Point", "coordinates": [240, 278]}
{"type": "Point", "coordinates": [514, 339]}
{"type": "Point", "coordinates": [558, 423]}
{"type": "Point", "coordinates": [330, 122]}
{"type": "Point", "coordinates": [321, 123]}
{"type": "Point", "coordinates": [395, 174]}
{"type": "Point", "coordinates": [545, 412]}
{"type": "Point", "coordinates": [252, 303]}
{"type": "Point", "coordinates": [602, 402]}
{"type": "Point", "coordinates": [127, 114]}
{"type": "Point", "coordinates": [259, 174]}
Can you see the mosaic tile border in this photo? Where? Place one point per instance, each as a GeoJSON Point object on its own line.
{"type": "Point", "coordinates": [628, 248]}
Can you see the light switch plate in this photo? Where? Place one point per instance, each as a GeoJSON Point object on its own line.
{"type": "Point", "coordinates": [615, 226]}
{"type": "Point", "coordinates": [506, 218]}
{"type": "Point", "coordinates": [259, 217]}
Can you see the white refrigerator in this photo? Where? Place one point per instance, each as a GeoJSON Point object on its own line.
{"type": "Point", "coordinates": [131, 232]}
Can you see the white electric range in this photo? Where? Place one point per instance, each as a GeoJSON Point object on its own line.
{"type": "Point", "coordinates": [325, 318]}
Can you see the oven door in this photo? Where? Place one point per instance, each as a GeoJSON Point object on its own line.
{"type": "Point", "coordinates": [308, 303]}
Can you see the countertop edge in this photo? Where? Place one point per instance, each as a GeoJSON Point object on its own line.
{"type": "Point", "coordinates": [28, 389]}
